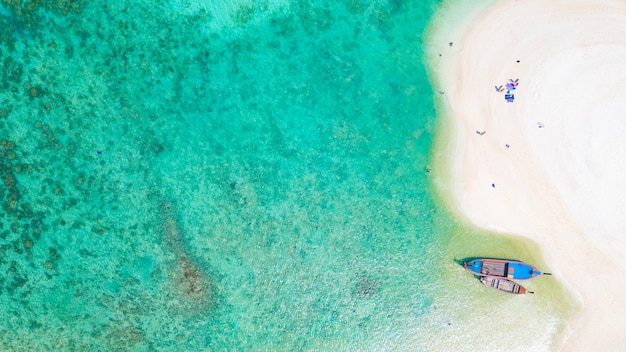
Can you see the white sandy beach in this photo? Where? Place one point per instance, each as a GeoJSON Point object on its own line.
{"type": "Point", "coordinates": [562, 180]}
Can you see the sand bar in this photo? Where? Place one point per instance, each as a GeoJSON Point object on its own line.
{"type": "Point", "coordinates": [551, 164]}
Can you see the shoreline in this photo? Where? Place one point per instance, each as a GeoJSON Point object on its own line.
{"type": "Point", "coordinates": [522, 174]}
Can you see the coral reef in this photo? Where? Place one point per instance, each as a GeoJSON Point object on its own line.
{"type": "Point", "coordinates": [191, 280]}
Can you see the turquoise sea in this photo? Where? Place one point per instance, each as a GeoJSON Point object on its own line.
{"type": "Point", "coordinates": [236, 175]}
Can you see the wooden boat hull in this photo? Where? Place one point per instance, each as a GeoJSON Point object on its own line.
{"type": "Point", "coordinates": [504, 285]}
{"type": "Point", "coordinates": [502, 268]}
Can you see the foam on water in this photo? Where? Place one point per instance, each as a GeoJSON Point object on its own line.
{"type": "Point", "coordinates": [165, 187]}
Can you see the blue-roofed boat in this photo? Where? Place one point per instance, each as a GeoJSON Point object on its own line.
{"type": "Point", "coordinates": [502, 268]}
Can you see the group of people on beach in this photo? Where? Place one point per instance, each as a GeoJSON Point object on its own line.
{"type": "Point", "coordinates": [508, 87]}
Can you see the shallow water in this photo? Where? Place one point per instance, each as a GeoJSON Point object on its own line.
{"type": "Point", "coordinates": [232, 176]}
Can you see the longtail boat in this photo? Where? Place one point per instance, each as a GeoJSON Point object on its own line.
{"type": "Point", "coordinates": [504, 285]}
{"type": "Point", "coordinates": [502, 268]}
